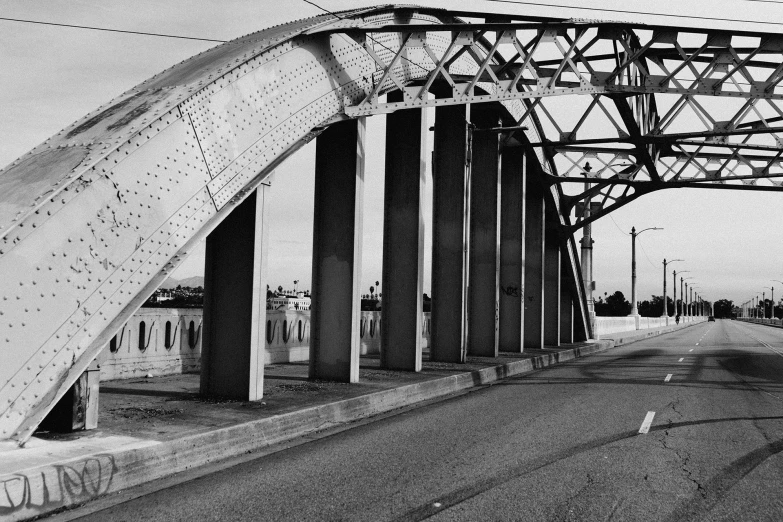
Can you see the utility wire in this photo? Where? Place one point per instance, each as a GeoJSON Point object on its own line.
{"type": "Point", "coordinates": [618, 226]}
{"type": "Point", "coordinates": [624, 11]}
{"type": "Point", "coordinates": [645, 254]}
{"type": "Point", "coordinates": [91, 28]}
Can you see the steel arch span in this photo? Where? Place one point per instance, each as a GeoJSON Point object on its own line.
{"type": "Point", "coordinates": [95, 218]}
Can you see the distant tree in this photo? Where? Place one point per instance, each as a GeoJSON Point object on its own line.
{"type": "Point", "coordinates": [618, 305]}
{"type": "Point", "coordinates": [614, 305]}
{"type": "Point", "coordinates": [654, 307]}
{"type": "Point", "coordinates": [723, 307]}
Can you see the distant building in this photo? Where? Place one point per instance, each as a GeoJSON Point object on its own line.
{"type": "Point", "coordinates": [300, 301]}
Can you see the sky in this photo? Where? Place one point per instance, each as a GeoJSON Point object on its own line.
{"type": "Point", "coordinates": [731, 242]}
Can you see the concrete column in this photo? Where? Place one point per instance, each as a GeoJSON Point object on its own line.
{"type": "Point", "coordinates": [235, 272]}
{"type": "Point", "coordinates": [337, 252]}
{"type": "Point", "coordinates": [533, 311]}
{"type": "Point", "coordinates": [449, 234]}
{"type": "Point", "coordinates": [552, 285]}
{"type": "Point", "coordinates": [403, 239]}
{"type": "Point", "coordinates": [483, 262]}
{"type": "Point", "coordinates": [512, 198]}
{"type": "Point", "coordinates": [566, 303]}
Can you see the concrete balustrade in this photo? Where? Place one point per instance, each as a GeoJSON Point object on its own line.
{"type": "Point", "coordinates": [168, 341]}
{"type": "Point", "coordinates": [172, 341]}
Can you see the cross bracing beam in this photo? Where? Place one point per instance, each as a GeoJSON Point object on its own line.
{"type": "Point", "coordinates": [685, 106]}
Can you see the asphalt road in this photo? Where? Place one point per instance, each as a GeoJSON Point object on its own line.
{"type": "Point", "coordinates": [559, 444]}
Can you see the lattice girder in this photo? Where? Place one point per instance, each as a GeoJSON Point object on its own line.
{"type": "Point", "coordinates": [663, 106]}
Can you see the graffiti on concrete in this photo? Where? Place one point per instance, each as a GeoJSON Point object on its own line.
{"type": "Point", "coordinates": [59, 485]}
{"type": "Point", "coordinates": [511, 290]}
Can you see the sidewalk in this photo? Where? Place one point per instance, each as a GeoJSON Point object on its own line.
{"type": "Point", "coordinates": [156, 427]}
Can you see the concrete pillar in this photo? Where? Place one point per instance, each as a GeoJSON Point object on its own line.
{"type": "Point", "coordinates": [337, 252]}
{"type": "Point", "coordinates": [232, 352]}
{"type": "Point", "coordinates": [512, 199]}
{"type": "Point", "coordinates": [533, 311]}
{"type": "Point", "coordinates": [566, 302]}
{"type": "Point", "coordinates": [403, 239]}
{"type": "Point", "coordinates": [483, 262]}
{"type": "Point", "coordinates": [449, 234]}
{"type": "Point", "coordinates": [551, 285]}
{"type": "Point", "coordinates": [78, 409]}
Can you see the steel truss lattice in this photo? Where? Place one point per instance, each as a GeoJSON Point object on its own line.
{"type": "Point", "coordinates": [650, 107]}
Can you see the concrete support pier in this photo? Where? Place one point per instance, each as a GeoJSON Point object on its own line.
{"type": "Point", "coordinates": [337, 252]}
{"type": "Point", "coordinates": [566, 302]}
{"type": "Point", "coordinates": [483, 262]}
{"type": "Point", "coordinates": [232, 353]}
{"type": "Point", "coordinates": [533, 311]}
{"type": "Point", "coordinates": [403, 239]}
{"type": "Point", "coordinates": [449, 234]}
{"type": "Point", "coordinates": [552, 283]}
{"type": "Point", "coordinates": [512, 204]}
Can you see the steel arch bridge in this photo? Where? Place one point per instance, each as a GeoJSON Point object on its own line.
{"type": "Point", "coordinates": [93, 220]}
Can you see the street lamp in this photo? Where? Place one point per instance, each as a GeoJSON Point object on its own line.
{"type": "Point", "coordinates": [665, 308]}
{"type": "Point", "coordinates": [634, 233]}
{"type": "Point", "coordinates": [694, 300]}
{"type": "Point", "coordinates": [773, 297]}
{"type": "Point", "coordinates": [764, 298]}
{"type": "Point", "coordinates": [674, 284]}
{"type": "Point", "coordinates": [685, 296]}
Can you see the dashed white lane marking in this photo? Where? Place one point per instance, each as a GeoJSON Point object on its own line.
{"type": "Point", "coordinates": [681, 358]}
{"type": "Point", "coordinates": [690, 350]}
{"type": "Point", "coordinates": [668, 377]}
{"type": "Point", "coordinates": [697, 344]}
{"type": "Point", "coordinates": [647, 422]}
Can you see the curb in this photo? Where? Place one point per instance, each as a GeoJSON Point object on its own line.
{"type": "Point", "coordinates": [69, 482]}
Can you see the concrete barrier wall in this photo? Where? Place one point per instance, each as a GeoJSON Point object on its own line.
{"type": "Point", "coordinates": [610, 325]}
{"type": "Point", "coordinates": [772, 322]}
{"type": "Point", "coordinates": [167, 341]}
{"type": "Point", "coordinates": [607, 325]}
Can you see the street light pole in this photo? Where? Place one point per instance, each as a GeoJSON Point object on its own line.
{"type": "Point", "coordinates": [773, 298]}
{"type": "Point", "coordinates": [685, 295]}
{"type": "Point", "coordinates": [665, 308]}
{"type": "Point", "coordinates": [674, 285]}
{"type": "Point", "coordinates": [634, 233]}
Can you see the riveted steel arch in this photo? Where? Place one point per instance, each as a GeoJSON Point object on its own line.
{"type": "Point", "coordinates": [95, 218]}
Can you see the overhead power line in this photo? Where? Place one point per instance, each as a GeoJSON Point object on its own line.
{"type": "Point", "coordinates": [618, 226]}
{"type": "Point", "coordinates": [106, 29]}
{"type": "Point", "coordinates": [626, 11]}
